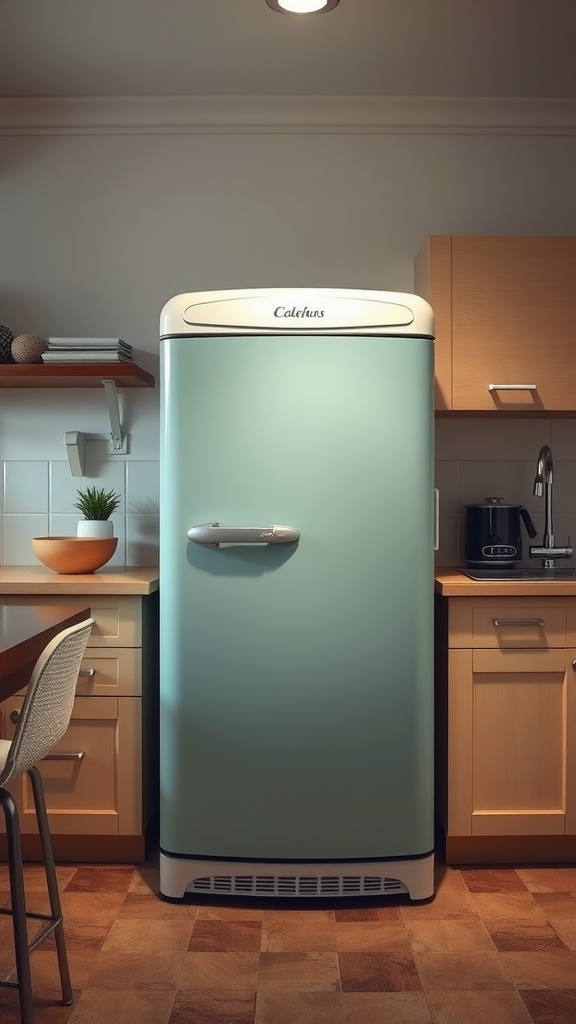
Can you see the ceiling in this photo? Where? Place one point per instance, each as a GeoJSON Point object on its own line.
{"type": "Point", "coordinates": [513, 48]}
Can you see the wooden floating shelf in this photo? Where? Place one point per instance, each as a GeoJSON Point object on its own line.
{"type": "Point", "coordinates": [73, 375]}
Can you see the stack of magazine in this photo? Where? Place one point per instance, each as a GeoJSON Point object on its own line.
{"type": "Point", "coordinates": [87, 350]}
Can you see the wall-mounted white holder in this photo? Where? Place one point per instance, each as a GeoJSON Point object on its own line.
{"type": "Point", "coordinates": [75, 441]}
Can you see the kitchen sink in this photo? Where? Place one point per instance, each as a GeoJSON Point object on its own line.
{"type": "Point", "coordinates": [522, 573]}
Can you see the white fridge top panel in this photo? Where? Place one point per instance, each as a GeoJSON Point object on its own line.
{"type": "Point", "coordinates": [297, 310]}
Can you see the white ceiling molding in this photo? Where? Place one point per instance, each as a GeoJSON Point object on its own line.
{"type": "Point", "coordinates": [183, 115]}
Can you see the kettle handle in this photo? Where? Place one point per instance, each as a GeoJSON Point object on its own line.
{"type": "Point", "coordinates": [531, 529]}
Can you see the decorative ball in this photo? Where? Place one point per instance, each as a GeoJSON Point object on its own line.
{"type": "Point", "coordinates": [6, 337]}
{"type": "Point", "coordinates": [28, 348]}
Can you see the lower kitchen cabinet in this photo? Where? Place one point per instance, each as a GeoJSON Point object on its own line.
{"type": "Point", "coordinates": [92, 778]}
{"type": "Point", "coordinates": [506, 728]}
{"type": "Point", "coordinates": [101, 780]}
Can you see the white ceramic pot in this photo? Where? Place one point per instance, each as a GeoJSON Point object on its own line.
{"type": "Point", "coordinates": [95, 528]}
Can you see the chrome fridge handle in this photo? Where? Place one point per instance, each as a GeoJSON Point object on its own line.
{"type": "Point", "coordinates": [212, 535]}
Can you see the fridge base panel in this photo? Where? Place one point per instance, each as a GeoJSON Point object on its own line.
{"type": "Point", "coordinates": [182, 875]}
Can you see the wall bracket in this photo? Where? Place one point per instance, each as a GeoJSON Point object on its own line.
{"type": "Point", "coordinates": [114, 413]}
{"type": "Point", "coordinates": [75, 440]}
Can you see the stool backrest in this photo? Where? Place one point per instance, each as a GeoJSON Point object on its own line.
{"type": "Point", "coordinates": [49, 700]}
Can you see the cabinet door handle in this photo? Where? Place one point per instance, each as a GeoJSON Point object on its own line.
{"type": "Point", "coordinates": [87, 672]}
{"type": "Point", "coordinates": [499, 623]}
{"type": "Point", "coordinates": [512, 387]}
{"type": "Point", "coordinates": [75, 755]}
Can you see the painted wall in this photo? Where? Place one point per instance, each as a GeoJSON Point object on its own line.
{"type": "Point", "coordinates": [98, 230]}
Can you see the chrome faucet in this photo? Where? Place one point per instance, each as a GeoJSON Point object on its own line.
{"type": "Point", "coordinates": [544, 485]}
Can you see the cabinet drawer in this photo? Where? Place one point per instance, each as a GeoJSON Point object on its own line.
{"type": "Point", "coordinates": [98, 791]}
{"type": "Point", "coordinates": [529, 662]}
{"type": "Point", "coordinates": [508, 624]}
{"type": "Point", "coordinates": [117, 620]}
{"type": "Point", "coordinates": [110, 672]}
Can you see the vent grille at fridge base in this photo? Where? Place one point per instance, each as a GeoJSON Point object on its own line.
{"type": "Point", "coordinates": [298, 885]}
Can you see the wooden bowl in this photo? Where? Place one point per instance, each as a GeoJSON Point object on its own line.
{"type": "Point", "coordinates": [74, 554]}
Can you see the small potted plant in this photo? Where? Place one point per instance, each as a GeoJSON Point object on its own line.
{"type": "Point", "coordinates": [96, 506]}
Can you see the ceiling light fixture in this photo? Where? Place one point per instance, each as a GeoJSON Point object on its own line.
{"type": "Point", "coordinates": [302, 6]}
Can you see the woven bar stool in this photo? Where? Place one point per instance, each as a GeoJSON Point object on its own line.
{"type": "Point", "coordinates": [44, 718]}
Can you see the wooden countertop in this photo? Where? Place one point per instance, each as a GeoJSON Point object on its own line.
{"type": "Point", "coordinates": [450, 582]}
{"type": "Point", "coordinates": [31, 579]}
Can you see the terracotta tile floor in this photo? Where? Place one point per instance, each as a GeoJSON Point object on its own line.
{"type": "Point", "coordinates": [495, 946]}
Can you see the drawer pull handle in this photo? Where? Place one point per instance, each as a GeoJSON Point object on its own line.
{"type": "Point", "coordinates": [499, 623]}
{"type": "Point", "coordinates": [75, 755]}
{"type": "Point", "coordinates": [87, 672]}
{"type": "Point", "coordinates": [512, 387]}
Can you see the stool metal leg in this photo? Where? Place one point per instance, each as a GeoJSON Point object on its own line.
{"type": "Point", "coordinates": [18, 904]}
{"type": "Point", "coordinates": [51, 883]}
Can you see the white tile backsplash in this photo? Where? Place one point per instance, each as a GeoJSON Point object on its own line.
{"type": "Point", "coordinates": [520, 483]}
{"type": "Point", "coordinates": [40, 497]}
{"type": "Point", "coordinates": [64, 489]}
{"type": "Point", "coordinates": [25, 487]}
{"type": "Point", "coordinates": [142, 539]}
{"type": "Point", "coordinates": [18, 531]}
{"type": "Point", "coordinates": [104, 470]}
{"type": "Point", "coordinates": [111, 477]}
{"type": "Point", "coordinates": [119, 556]}
{"type": "Point", "coordinates": [481, 479]}
{"type": "Point", "coordinates": [565, 533]}
{"type": "Point", "coordinates": [448, 551]}
{"type": "Point", "coordinates": [447, 479]}
{"type": "Point", "coordinates": [63, 526]}
{"type": "Point", "coordinates": [563, 438]}
{"type": "Point", "coordinates": [564, 486]}
{"type": "Point", "coordinates": [142, 488]}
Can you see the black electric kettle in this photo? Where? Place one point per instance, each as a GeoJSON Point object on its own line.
{"type": "Point", "coordinates": [493, 533]}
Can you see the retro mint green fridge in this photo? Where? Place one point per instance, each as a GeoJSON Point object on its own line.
{"type": "Point", "coordinates": [296, 594]}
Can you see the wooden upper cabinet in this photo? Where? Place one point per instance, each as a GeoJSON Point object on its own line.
{"type": "Point", "coordinates": [505, 315]}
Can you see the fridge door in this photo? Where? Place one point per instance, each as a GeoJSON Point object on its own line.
{"type": "Point", "coordinates": [296, 678]}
